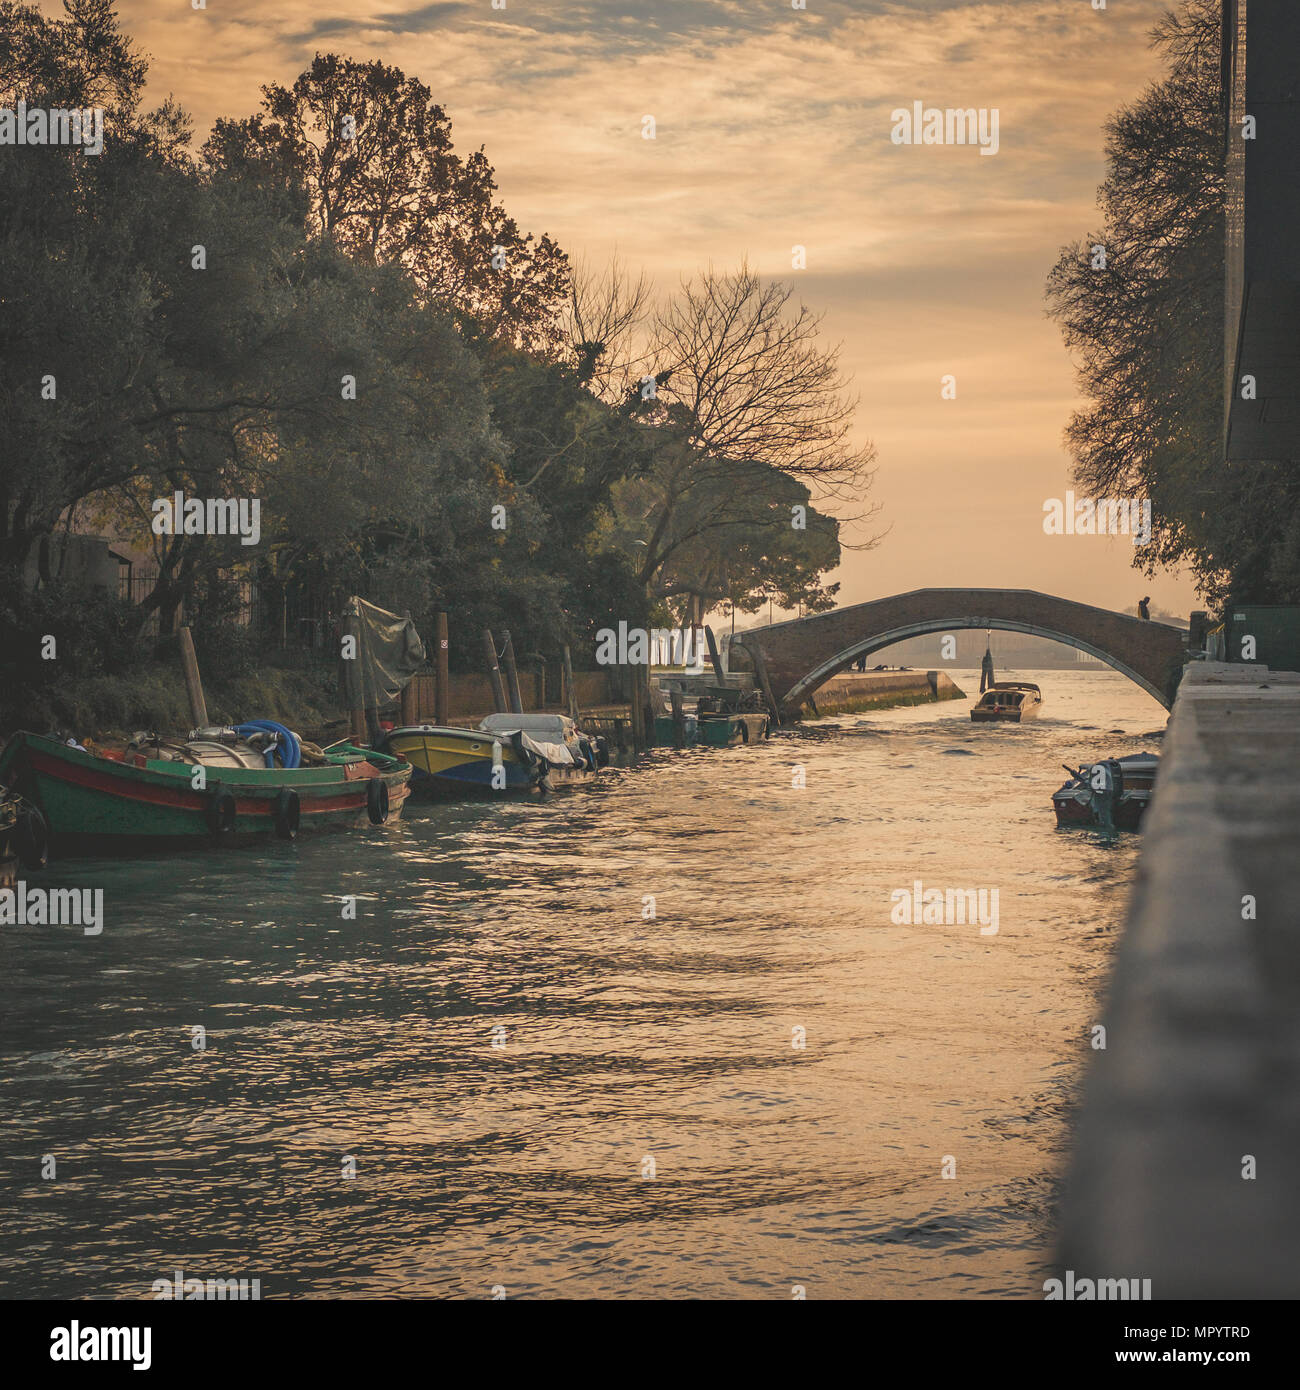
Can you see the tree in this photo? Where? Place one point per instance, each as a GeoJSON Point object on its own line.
{"type": "Point", "coordinates": [374, 152]}
{"type": "Point", "coordinates": [748, 534]}
{"type": "Point", "coordinates": [1141, 302]}
{"type": "Point", "coordinates": [75, 346]}
{"type": "Point", "coordinates": [745, 400]}
{"type": "Point", "coordinates": [604, 328]}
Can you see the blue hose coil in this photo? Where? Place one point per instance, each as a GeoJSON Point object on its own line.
{"type": "Point", "coordinates": [287, 745]}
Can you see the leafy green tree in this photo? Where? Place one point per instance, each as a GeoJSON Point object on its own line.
{"type": "Point", "coordinates": [374, 151]}
{"type": "Point", "coordinates": [741, 532]}
{"type": "Point", "coordinates": [1147, 325]}
{"type": "Point", "coordinates": [77, 308]}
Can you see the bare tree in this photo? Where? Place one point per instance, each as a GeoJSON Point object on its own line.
{"type": "Point", "coordinates": [744, 393]}
{"type": "Point", "coordinates": [744, 377]}
{"type": "Point", "coordinates": [605, 326]}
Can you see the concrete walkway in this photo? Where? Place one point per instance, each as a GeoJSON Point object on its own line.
{"type": "Point", "coordinates": [1201, 1072]}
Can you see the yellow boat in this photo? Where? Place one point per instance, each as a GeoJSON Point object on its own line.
{"type": "Point", "coordinates": [507, 752]}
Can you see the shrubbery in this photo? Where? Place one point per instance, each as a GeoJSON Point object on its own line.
{"type": "Point", "coordinates": [57, 637]}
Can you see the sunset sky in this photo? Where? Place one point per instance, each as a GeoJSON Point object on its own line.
{"type": "Point", "coordinates": [773, 129]}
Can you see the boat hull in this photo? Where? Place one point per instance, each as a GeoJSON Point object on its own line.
{"type": "Point", "coordinates": [666, 731]}
{"type": "Point", "coordinates": [1007, 702]}
{"type": "Point", "coordinates": [1127, 815]}
{"type": "Point", "coordinates": [92, 802]}
{"type": "Point", "coordinates": [1075, 804]}
{"type": "Point", "coordinates": [460, 762]}
{"type": "Point", "coordinates": [728, 730]}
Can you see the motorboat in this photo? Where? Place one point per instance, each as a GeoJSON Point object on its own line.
{"type": "Point", "coordinates": [1111, 794]}
{"type": "Point", "coordinates": [1013, 701]}
{"type": "Point", "coordinates": [506, 753]}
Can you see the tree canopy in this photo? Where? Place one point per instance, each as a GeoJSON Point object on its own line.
{"type": "Point", "coordinates": [329, 310]}
{"type": "Point", "coordinates": [1141, 302]}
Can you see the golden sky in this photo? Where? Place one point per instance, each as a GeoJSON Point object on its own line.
{"type": "Point", "coordinates": [773, 129]}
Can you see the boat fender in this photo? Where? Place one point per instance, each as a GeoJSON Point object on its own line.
{"type": "Point", "coordinates": [377, 800]}
{"type": "Point", "coordinates": [31, 838]}
{"type": "Point", "coordinates": [220, 809]}
{"type": "Point", "coordinates": [288, 812]}
{"type": "Point", "coordinates": [744, 730]}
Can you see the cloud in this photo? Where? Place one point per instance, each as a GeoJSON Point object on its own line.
{"type": "Point", "coordinates": [772, 129]}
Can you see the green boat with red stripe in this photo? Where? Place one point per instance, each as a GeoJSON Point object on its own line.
{"type": "Point", "coordinates": [115, 801]}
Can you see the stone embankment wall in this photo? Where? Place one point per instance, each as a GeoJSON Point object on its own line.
{"type": "Point", "coordinates": [853, 691]}
{"type": "Point", "coordinates": [1185, 1162]}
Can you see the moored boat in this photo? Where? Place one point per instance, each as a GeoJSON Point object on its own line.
{"type": "Point", "coordinates": [666, 731]}
{"type": "Point", "coordinates": [1113, 793]}
{"type": "Point", "coordinates": [507, 752]}
{"type": "Point", "coordinates": [1011, 701]}
{"type": "Point", "coordinates": [105, 800]}
{"type": "Point", "coordinates": [726, 730]}
{"type": "Point", "coordinates": [24, 836]}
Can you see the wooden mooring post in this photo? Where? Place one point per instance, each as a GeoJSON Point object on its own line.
{"type": "Point", "coordinates": [760, 668]}
{"type": "Point", "coordinates": [714, 658]}
{"type": "Point", "coordinates": [512, 673]}
{"type": "Point", "coordinates": [571, 693]}
{"type": "Point", "coordinates": [636, 709]}
{"type": "Point", "coordinates": [494, 672]}
{"type": "Point", "coordinates": [193, 685]}
{"type": "Point", "coordinates": [408, 704]}
{"type": "Point", "coordinates": [410, 711]}
{"type": "Point", "coordinates": [647, 708]}
{"type": "Point", "coordinates": [443, 657]}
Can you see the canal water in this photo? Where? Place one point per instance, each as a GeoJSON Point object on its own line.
{"type": "Point", "coordinates": [655, 1038]}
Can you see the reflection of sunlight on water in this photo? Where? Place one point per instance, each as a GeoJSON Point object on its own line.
{"type": "Point", "coordinates": [625, 1035]}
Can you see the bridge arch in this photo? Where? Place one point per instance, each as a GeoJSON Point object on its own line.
{"type": "Point", "coordinates": [800, 655]}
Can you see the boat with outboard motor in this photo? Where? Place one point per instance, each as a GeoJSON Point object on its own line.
{"type": "Point", "coordinates": [1111, 794]}
{"type": "Point", "coordinates": [220, 786]}
{"type": "Point", "coordinates": [1012, 701]}
{"type": "Point", "coordinates": [506, 753]}
{"type": "Point", "coordinates": [721, 717]}
{"type": "Point", "coordinates": [24, 836]}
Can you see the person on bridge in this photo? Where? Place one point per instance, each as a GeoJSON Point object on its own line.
{"type": "Point", "coordinates": [986, 671]}
{"type": "Point", "coordinates": [1144, 609]}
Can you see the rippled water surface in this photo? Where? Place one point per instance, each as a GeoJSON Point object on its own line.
{"type": "Point", "coordinates": [626, 1039]}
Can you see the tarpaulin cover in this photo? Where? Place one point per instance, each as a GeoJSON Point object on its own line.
{"type": "Point", "coordinates": [389, 652]}
{"type": "Point", "coordinates": [546, 735]}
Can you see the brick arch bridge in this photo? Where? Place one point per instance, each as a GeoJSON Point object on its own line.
{"type": "Point", "coordinates": [802, 654]}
